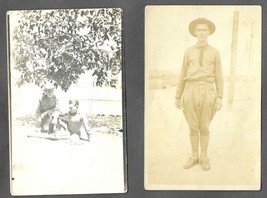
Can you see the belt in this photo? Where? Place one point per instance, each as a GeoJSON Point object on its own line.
{"type": "Point", "coordinates": [200, 81]}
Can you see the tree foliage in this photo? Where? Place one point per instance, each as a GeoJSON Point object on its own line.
{"type": "Point", "coordinates": [59, 45]}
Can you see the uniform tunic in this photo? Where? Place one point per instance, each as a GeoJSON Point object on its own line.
{"type": "Point", "coordinates": [201, 70]}
{"type": "Point", "coordinates": [47, 104]}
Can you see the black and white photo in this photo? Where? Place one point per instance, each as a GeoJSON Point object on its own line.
{"type": "Point", "coordinates": [67, 133]}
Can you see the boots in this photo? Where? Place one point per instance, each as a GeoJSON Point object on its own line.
{"type": "Point", "coordinates": [194, 159]}
{"type": "Point", "coordinates": [51, 128]}
{"type": "Point", "coordinates": [204, 160]}
{"type": "Point", "coordinates": [205, 164]}
{"type": "Point", "coordinates": [191, 162]}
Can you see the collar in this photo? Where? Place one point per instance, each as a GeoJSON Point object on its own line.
{"type": "Point", "coordinates": [73, 114]}
{"type": "Point", "coordinates": [204, 46]}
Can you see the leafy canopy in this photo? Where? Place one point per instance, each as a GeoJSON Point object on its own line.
{"type": "Point", "coordinates": [59, 45]}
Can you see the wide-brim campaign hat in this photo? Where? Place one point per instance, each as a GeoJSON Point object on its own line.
{"type": "Point", "coordinates": [194, 23]}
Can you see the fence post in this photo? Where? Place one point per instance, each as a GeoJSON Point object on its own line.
{"type": "Point", "coordinates": [231, 89]}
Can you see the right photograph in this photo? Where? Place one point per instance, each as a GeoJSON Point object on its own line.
{"type": "Point", "coordinates": [203, 97]}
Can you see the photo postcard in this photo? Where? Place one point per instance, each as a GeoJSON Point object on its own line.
{"type": "Point", "coordinates": [66, 102]}
{"type": "Point", "coordinates": [203, 97]}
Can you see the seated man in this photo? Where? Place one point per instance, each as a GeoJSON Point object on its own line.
{"type": "Point", "coordinates": [73, 121]}
{"type": "Point", "coordinates": [47, 107]}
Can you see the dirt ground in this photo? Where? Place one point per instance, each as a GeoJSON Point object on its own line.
{"type": "Point", "coordinates": [42, 166]}
{"type": "Point", "coordinates": [234, 149]}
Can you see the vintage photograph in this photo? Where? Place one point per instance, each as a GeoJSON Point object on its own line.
{"type": "Point", "coordinates": [202, 97]}
{"type": "Point", "coordinates": [67, 133]}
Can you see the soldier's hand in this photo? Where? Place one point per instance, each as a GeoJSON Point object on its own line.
{"type": "Point", "coordinates": [49, 112]}
{"type": "Point", "coordinates": [43, 115]}
{"type": "Point", "coordinates": [218, 104]}
{"type": "Point", "coordinates": [178, 103]}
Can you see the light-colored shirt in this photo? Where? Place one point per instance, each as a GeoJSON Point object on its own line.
{"type": "Point", "coordinates": [210, 70]}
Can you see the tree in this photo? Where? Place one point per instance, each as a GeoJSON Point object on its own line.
{"type": "Point", "coordinates": [59, 45]}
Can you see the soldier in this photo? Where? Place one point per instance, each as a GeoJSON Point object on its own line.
{"type": "Point", "coordinates": [200, 90]}
{"type": "Point", "coordinates": [47, 108]}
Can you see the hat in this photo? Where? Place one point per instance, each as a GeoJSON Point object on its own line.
{"type": "Point", "coordinates": [49, 85]}
{"type": "Point", "coordinates": [193, 24]}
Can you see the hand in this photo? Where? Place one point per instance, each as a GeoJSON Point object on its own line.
{"type": "Point", "coordinates": [43, 115]}
{"type": "Point", "coordinates": [178, 104]}
{"type": "Point", "coordinates": [49, 112]}
{"type": "Point", "coordinates": [218, 104]}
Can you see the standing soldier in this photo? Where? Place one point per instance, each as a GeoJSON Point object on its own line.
{"type": "Point", "coordinates": [196, 94]}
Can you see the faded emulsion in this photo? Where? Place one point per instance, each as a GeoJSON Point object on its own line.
{"type": "Point", "coordinates": [202, 97]}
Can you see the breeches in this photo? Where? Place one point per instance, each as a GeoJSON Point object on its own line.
{"type": "Point", "coordinates": [198, 104]}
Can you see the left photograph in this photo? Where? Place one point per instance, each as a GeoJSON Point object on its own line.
{"type": "Point", "coordinates": [66, 102]}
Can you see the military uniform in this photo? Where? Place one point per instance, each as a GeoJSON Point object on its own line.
{"type": "Point", "coordinates": [49, 105]}
{"type": "Point", "coordinates": [200, 84]}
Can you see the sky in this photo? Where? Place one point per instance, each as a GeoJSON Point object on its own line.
{"type": "Point", "coordinates": [167, 36]}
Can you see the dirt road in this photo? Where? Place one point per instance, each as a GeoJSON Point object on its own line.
{"type": "Point", "coordinates": [234, 144]}
{"type": "Point", "coordinates": [42, 166]}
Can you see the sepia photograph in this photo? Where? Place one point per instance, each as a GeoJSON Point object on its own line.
{"type": "Point", "coordinates": [66, 106]}
{"type": "Point", "coordinates": [203, 97]}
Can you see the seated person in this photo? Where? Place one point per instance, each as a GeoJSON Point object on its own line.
{"type": "Point", "coordinates": [73, 121]}
{"type": "Point", "coordinates": [47, 107]}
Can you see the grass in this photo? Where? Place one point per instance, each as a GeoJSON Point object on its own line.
{"type": "Point", "coordinates": [110, 124]}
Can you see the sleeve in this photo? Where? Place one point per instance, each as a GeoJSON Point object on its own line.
{"type": "Point", "coordinates": [57, 104]}
{"type": "Point", "coordinates": [218, 75]}
{"type": "Point", "coordinates": [39, 109]}
{"type": "Point", "coordinates": [181, 83]}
